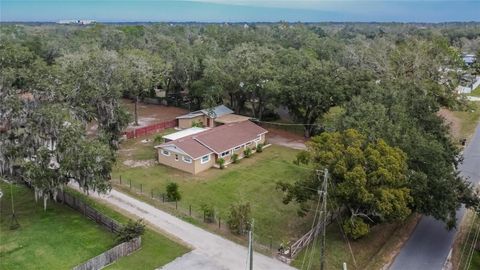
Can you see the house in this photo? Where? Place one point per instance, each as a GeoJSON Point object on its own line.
{"type": "Point", "coordinates": [210, 117]}
{"type": "Point", "coordinates": [198, 152]}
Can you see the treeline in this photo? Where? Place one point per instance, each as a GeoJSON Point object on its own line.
{"type": "Point", "coordinates": [389, 81]}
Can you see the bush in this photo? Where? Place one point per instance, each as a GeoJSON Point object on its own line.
{"type": "Point", "coordinates": [260, 148]}
{"type": "Point", "coordinates": [208, 212]}
{"type": "Point", "coordinates": [130, 231]}
{"type": "Point", "coordinates": [235, 158]}
{"type": "Point", "coordinates": [247, 152]}
{"type": "Point", "coordinates": [197, 123]}
{"type": "Point", "coordinates": [356, 228]}
{"type": "Point", "coordinates": [303, 157]}
{"type": "Point", "coordinates": [158, 139]}
{"type": "Point", "coordinates": [239, 218]}
{"type": "Point", "coordinates": [173, 194]}
{"type": "Point", "coordinates": [221, 163]}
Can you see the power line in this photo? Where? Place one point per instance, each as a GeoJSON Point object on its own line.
{"type": "Point", "coordinates": [283, 124]}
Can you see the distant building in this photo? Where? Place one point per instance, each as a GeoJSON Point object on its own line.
{"type": "Point", "coordinates": [77, 22]}
{"type": "Point", "coordinates": [211, 117]}
{"type": "Point", "coordinates": [469, 59]}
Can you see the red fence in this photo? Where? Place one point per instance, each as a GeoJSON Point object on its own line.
{"type": "Point", "coordinates": [150, 129]}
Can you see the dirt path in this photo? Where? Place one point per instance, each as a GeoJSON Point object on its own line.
{"type": "Point", "coordinates": [453, 121]}
{"type": "Point", "coordinates": [210, 251]}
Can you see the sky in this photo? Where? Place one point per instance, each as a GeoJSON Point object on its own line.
{"type": "Point", "coordinates": [240, 10]}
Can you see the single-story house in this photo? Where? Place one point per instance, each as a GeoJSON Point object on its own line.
{"type": "Point", "coordinates": [210, 117]}
{"type": "Point", "coordinates": [469, 59]}
{"type": "Point", "coordinates": [198, 152]}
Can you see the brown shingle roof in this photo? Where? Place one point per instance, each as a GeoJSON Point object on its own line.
{"type": "Point", "coordinates": [228, 136]}
{"type": "Point", "coordinates": [218, 139]}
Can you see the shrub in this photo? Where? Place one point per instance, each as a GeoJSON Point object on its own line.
{"type": "Point", "coordinates": [221, 163]}
{"type": "Point", "coordinates": [235, 158]}
{"type": "Point", "coordinates": [303, 157]}
{"type": "Point", "coordinates": [158, 139]}
{"type": "Point", "coordinates": [355, 227]}
{"type": "Point", "coordinates": [197, 123]}
{"type": "Point", "coordinates": [208, 212]}
{"type": "Point", "coordinates": [260, 148]}
{"type": "Point", "coordinates": [173, 194]}
{"type": "Point", "coordinates": [130, 231]}
{"type": "Point", "coordinates": [247, 152]}
{"type": "Point", "coordinates": [239, 218]}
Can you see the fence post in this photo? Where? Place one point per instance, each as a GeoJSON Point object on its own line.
{"type": "Point", "coordinates": [163, 197]}
{"type": "Point", "coordinates": [130, 183]}
{"type": "Point", "coordinates": [141, 188]}
{"type": "Point", "coordinates": [271, 244]}
{"type": "Point", "coordinates": [84, 209]}
{"type": "Point", "coordinates": [219, 222]}
{"type": "Point", "coordinates": [151, 193]}
{"type": "Point", "coordinates": [120, 180]}
{"type": "Point", "coordinates": [111, 225]}
{"type": "Point", "coordinates": [204, 216]}
{"type": "Point", "coordinates": [176, 205]}
{"type": "Point", "coordinates": [190, 210]}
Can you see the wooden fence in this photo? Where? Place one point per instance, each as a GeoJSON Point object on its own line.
{"type": "Point", "coordinates": [111, 255]}
{"type": "Point", "coordinates": [150, 129]}
{"type": "Point", "coordinates": [89, 211]}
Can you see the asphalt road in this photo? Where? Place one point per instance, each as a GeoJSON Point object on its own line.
{"type": "Point", "coordinates": [429, 245]}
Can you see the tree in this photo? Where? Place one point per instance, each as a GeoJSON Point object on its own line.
{"type": "Point", "coordinates": [239, 218]}
{"type": "Point", "coordinates": [173, 194]}
{"type": "Point", "coordinates": [309, 87]}
{"type": "Point", "coordinates": [46, 110]}
{"type": "Point", "coordinates": [404, 115]}
{"type": "Point", "coordinates": [137, 76]}
{"type": "Point", "coordinates": [369, 178]}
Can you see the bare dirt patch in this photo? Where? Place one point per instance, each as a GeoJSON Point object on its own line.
{"type": "Point", "coordinates": [151, 114]}
{"type": "Point", "coordinates": [453, 122]}
{"type": "Point", "coordinates": [285, 138]}
{"type": "Point", "coordinates": [138, 163]}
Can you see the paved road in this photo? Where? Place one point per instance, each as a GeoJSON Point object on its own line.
{"type": "Point", "coordinates": [210, 251]}
{"type": "Point", "coordinates": [430, 243]}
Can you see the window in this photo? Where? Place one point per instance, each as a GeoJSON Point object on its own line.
{"type": "Point", "coordinates": [205, 159]}
{"type": "Point", "coordinates": [248, 143]}
{"type": "Point", "coordinates": [237, 148]}
{"type": "Point", "coordinates": [259, 138]}
{"type": "Point", "coordinates": [165, 153]}
{"type": "Point", "coordinates": [176, 157]}
{"type": "Point", "coordinates": [187, 159]}
{"type": "Point", "coordinates": [224, 154]}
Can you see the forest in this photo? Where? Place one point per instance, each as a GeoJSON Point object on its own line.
{"type": "Point", "coordinates": [389, 81]}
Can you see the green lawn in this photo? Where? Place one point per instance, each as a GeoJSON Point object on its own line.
{"type": "Point", "coordinates": [475, 92]}
{"type": "Point", "coordinates": [61, 238]}
{"type": "Point", "coordinates": [157, 249]}
{"type": "Point", "coordinates": [253, 180]}
{"type": "Point", "coordinates": [58, 238]}
{"type": "Point", "coordinates": [371, 252]}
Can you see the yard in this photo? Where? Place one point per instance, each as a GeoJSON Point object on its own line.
{"type": "Point", "coordinates": [61, 238]}
{"type": "Point", "coordinates": [58, 238]}
{"type": "Point", "coordinates": [253, 180]}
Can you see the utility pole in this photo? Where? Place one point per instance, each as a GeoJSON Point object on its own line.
{"type": "Point", "coordinates": [324, 225]}
{"type": "Point", "coordinates": [250, 246]}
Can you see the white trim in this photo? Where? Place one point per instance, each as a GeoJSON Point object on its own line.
{"type": "Point", "coordinates": [186, 159]}
{"type": "Point", "coordinates": [203, 162]}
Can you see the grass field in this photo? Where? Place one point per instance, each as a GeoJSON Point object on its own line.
{"type": "Point", "coordinates": [463, 243]}
{"type": "Point", "coordinates": [253, 180]}
{"type": "Point", "coordinates": [475, 92]}
{"type": "Point", "coordinates": [61, 238]}
{"type": "Point", "coordinates": [157, 249]}
{"type": "Point", "coordinates": [371, 252]}
{"type": "Point", "coordinates": [58, 238]}
{"type": "Point", "coordinates": [468, 119]}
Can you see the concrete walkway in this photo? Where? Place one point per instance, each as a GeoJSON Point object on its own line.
{"type": "Point", "coordinates": [210, 251]}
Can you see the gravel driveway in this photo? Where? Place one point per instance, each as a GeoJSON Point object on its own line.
{"type": "Point", "coordinates": [210, 251]}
